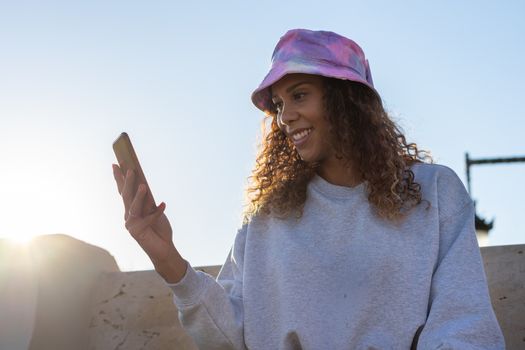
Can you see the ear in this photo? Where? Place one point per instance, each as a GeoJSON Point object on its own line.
{"type": "Point", "coordinates": [278, 124]}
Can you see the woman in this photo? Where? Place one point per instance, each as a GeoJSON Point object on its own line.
{"type": "Point", "coordinates": [350, 240]}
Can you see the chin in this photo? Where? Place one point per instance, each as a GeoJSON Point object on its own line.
{"type": "Point", "coordinates": [308, 159]}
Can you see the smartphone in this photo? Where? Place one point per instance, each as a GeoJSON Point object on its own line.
{"type": "Point", "coordinates": [127, 159]}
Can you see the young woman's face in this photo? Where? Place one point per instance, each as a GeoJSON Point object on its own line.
{"type": "Point", "coordinates": [298, 99]}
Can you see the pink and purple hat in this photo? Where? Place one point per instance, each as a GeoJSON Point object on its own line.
{"type": "Point", "coordinates": [314, 52]}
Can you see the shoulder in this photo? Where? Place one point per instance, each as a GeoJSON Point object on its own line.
{"type": "Point", "coordinates": [443, 185]}
{"type": "Point", "coordinates": [435, 172]}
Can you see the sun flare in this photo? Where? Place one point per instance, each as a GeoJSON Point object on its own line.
{"type": "Point", "coordinates": [21, 239]}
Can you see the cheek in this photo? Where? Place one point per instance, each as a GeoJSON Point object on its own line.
{"type": "Point", "coordinates": [322, 122]}
{"type": "Point", "coordinates": [325, 133]}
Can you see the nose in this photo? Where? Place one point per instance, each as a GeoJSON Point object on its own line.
{"type": "Point", "coordinates": [287, 115]}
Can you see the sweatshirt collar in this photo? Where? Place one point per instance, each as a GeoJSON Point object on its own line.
{"type": "Point", "coordinates": [336, 191]}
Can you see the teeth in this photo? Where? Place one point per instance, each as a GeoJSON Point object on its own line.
{"type": "Point", "coordinates": [301, 134]}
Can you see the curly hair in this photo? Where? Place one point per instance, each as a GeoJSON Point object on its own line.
{"type": "Point", "coordinates": [364, 135]}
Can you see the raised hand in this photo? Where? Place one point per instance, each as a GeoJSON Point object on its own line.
{"type": "Point", "coordinates": [152, 231]}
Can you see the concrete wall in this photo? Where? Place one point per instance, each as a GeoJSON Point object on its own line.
{"type": "Point", "coordinates": [505, 269]}
{"type": "Point", "coordinates": [45, 292]}
{"type": "Point", "coordinates": [145, 305]}
{"type": "Point", "coordinates": [134, 310]}
{"type": "Point", "coordinates": [61, 293]}
{"type": "Point", "coordinates": [18, 295]}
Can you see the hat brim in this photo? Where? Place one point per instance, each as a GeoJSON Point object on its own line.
{"type": "Point", "coordinates": [262, 98]}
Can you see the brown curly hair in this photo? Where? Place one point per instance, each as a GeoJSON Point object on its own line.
{"type": "Point", "coordinates": [363, 134]}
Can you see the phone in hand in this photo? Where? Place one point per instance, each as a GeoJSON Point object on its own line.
{"type": "Point", "coordinates": [127, 159]}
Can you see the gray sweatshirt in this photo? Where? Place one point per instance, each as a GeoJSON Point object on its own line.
{"type": "Point", "coordinates": [342, 278]}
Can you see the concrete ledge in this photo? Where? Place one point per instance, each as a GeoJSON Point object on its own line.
{"type": "Point", "coordinates": [505, 269]}
{"type": "Point", "coordinates": [135, 310]}
{"type": "Point", "coordinates": [61, 293]}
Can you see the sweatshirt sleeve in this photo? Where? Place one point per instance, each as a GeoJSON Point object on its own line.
{"type": "Point", "coordinates": [211, 310]}
{"type": "Point", "coordinates": [460, 312]}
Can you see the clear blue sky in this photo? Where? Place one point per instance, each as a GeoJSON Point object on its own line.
{"type": "Point", "coordinates": [178, 77]}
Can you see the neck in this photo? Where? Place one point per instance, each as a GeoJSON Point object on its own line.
{"type": "Point", "coordinates": [336, 173]}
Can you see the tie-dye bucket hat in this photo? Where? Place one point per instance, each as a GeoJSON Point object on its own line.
{"type": "Point", "coordinates": [314, 52]}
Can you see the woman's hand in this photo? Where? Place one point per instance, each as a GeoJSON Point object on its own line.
{"type": "Point", "coordinates": [152, 232]}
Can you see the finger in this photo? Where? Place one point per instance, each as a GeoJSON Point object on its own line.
{"type": "Point", "coordinates": [138, 227]}
{"type": "Point", "coordinates": [119, 178]}
{"type": "Point", "coordinates": [128, 189]}
{"type": "Point", "coordinates": [136, 206]}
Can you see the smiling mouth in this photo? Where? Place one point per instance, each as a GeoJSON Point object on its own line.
{"type": "Point", "coordinates": [300, 138]}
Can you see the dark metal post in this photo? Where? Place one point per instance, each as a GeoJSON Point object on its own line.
{"type": "Point", "coordinates": [467, 162]}
{"type": "Point", "coordinates": [470, 162]}
{"type": "Point", "coordinates": [480, 223]}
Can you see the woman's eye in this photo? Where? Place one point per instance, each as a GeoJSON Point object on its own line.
{"type": "Point", "coordinates": [299, 95]}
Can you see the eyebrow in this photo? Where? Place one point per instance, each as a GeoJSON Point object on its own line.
{"type": "Point", "coordinates": [294, 86]}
